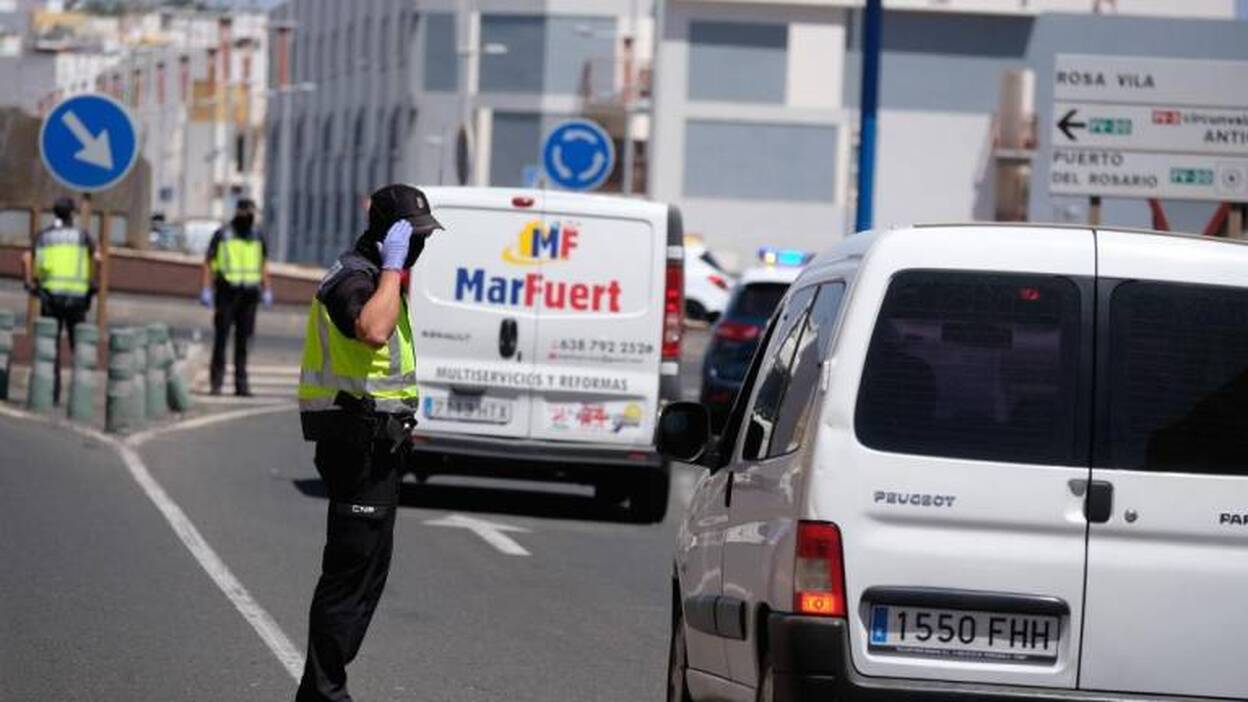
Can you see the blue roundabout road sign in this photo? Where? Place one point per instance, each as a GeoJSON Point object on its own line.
{"type": "Point", "coordinates": [578, 155]}
{"type": "Point", "coordinates": [89, 142]}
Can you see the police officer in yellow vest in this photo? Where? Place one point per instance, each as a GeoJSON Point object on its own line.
{"type": "Point", "coordinates": [60, 270]}
{"type": "Point", "coordinates": [235, 281]}
{"type": "Point", "coordinates": [357, 398]}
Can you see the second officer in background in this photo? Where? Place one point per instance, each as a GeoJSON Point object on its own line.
{"type": "Point", "coordinates": [235, 281]}
{"type": "Point", "coordinates": [357, 399]}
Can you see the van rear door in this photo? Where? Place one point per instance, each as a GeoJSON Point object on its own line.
{"type": "Point", "coordinates": [600, 322]}
{"type": "Point", "coordinates": [957, 484]}
{"type": "Point", "coordinates": [1168, 542]}
{"type": "Point", "coordinates": [475, 326]}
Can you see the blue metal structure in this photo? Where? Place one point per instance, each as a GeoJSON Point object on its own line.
{"type": "Point", "coordinates": [872, 24]}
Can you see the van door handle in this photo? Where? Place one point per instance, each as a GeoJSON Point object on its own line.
{"type": "Point", "coordinates": [508, 338]}
{"type": "Point", "coordinates": [1099, 504]}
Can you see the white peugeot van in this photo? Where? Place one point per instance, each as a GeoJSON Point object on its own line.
{"type": "Point", "coordinates": [548, 330]}
{"type": "Point", "coordinates": [978, 463]}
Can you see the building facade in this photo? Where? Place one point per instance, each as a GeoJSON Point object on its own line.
{"type": "Point", "coordinates": [381, 91]}
{"type": "Point", "coordinates": [756, 118]}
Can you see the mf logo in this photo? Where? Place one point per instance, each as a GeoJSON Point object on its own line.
{"type": "Point", "coordinates": [537, 245]}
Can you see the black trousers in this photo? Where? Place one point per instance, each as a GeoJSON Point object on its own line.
{"type": "Point", "coordinates": [233, 307]}
{"type": "Point", "coordinates": [363, 486]}
{"type": "Point", "coordinates": [67, 313]}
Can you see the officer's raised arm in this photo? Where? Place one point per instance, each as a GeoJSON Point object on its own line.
{"type": "Point", "coordinates": [380, 314]}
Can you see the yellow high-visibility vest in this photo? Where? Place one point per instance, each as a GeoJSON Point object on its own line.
{"type": "Point", "coordinates": [333, 362]}
{"type": "Point", "coordinates": [239, 261]}
{"type": "Point", "coordinates": [63, 262]}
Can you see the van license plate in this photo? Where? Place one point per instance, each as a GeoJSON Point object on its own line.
{"type": "Point", "coordinates": [964, 635]}
{"type": "Point", "coordinates": [472, 410]}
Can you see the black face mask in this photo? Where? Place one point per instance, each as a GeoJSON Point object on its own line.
{"type": "Point", "coordinates": [243, 223]}
{"type": "Point", "coordinates": [415, 247]}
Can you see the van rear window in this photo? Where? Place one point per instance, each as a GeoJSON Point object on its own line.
{"type": "Point", "coordinates": [1179, 378]}
{"type": "Point", "coordinates": [974, 365]}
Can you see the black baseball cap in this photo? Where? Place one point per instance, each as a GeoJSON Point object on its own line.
{"type": "Point", "coordinates": [394, 202]}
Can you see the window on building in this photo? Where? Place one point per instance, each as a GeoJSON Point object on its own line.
{"type": "Point", "coordinates": [351, 61]}
{"type": "Point", "coordinates": [240, 153]}
{"type": "Point", "coordinates": [441, 56]}
{"type": "Point", "coordinates": [384, 30]}
{"type": "Point", "coordinates": [978, 366]}
{"type": "Point", "coordinates": [580, 55]}
{"type": "Point", "coordinates": [738, 61]}
{"type": "Point", "coordinates": [519, 69]}
{"type": "Point", "coordinates": [366, 43]}
{"type": "Point", "coordinates": [515, 145]}
{"type": "Point", "coordinates": [756, 161]}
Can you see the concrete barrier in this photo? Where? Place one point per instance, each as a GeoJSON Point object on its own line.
{"type": "Point", "coordinates": [157, 380]}
{"type": "Point", "coordinates": [82, 380]}
{"type": "Point", "coordinates": [40, 394]}
{"type": "Point", "coordinates": [7, 320]}
{"type": "Point", "coordinates": [121, 412]}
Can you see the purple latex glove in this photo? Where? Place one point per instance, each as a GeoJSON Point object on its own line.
{"type": "Point", "coordinates": [205, 297]}
{"type": "Point", "coordinates": [266, 297]}
{"type": "Point", "coordinates": [395, 246]}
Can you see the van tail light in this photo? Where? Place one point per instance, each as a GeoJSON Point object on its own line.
{"type": "Point", "coordinates": [718, 281]}
{"type": "Point", "coordinates": [737, 331]}
{"type": "Point", "coordinates": [819, 573]}
{"type": "Point", "coordinates": [673, 310]}
{"type": "Point", "coordinates": [522, 201]}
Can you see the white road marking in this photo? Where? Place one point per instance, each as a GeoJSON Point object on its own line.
{"type": "Point", "coordinates": [142, 437]}
{"type": "Point", "coordinates": [259, 619]}
{"type": "Point", "coordinates": [492, 533]}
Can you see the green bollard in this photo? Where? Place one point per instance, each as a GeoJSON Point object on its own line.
{"type": "Point", "coordinates": [82, 380]}
{"type": "Point", "coordinates": [140, 372]}
{"type": "Point", "coordinates": [43, 366]}
{"type": "Point", "coordinates": [179, 389]}
{"type": "Point", "coordinates": [120, 408]}
{"type": "Point", "coordinates": [157, 384]}
{"type": "Point", "coordinates": [7, 321]}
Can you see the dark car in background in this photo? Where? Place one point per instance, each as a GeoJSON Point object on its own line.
{"type": "Point", "coordinates": [734, 338]}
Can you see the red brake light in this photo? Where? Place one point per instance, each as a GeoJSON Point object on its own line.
{"type": "Point", "coordinates": [737, 331]}
{"type": "Point", "coordinates": [673, 310]}
{"type": "Point", "coordinates": [819, 570]}
{"type": "Point", "coordinates": [718, 281]}
{"type": "Point", "coordinates": [1029, 294]}
{"type": "Point", "coordinates": [521, 201]}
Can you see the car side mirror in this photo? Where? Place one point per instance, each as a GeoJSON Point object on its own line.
{"type": "Point", "coordinates": [684, 432]}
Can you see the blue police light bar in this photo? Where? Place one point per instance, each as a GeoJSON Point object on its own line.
{"type": "Point", "coordinates": [789, 258]}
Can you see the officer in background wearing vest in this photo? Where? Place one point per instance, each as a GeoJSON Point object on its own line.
{"type": "Point", "coordinates": [235, 281]}
{"type": "Point", "coordinates": [62, 275]}
{"type": "Point", "coordinates": [357, 399]}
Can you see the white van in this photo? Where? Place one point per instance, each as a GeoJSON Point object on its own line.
{"type": "Point", "coordinates": [548, 329]}
{"type": "Point", "coordinates": [981, 463]}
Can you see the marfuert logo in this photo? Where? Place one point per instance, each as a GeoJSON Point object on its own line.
{"type": "Point", "coordinates": [535, 246]}
{"type": "Point", "coordinates": [538, 246]}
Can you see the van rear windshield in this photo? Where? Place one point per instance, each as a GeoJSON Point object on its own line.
{"type": "Point", "coordinates": [971, 365]}
{"type": "Point", "coordinates": [1178, 390]}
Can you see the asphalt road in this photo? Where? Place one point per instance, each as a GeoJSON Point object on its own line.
{"type": "Point", "coordinates": [101, 600]}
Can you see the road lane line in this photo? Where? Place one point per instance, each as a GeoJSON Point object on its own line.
{"type": "Point", "coordinates": [142, 437]}
{"type": "Point", "coordinates": [490, 532]}
{"type": "Point", "coordinates": [260, 620]}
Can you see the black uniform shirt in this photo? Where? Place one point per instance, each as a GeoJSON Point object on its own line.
{"type": "Point", "coordinates": [347, 295]}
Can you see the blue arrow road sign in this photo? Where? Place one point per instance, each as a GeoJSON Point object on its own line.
{"type": "Point", "coordinates": [578, 155]}
{"type": "Point", "coordinates": [88, 142]}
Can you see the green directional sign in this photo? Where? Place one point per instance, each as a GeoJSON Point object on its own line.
{"type": "Point", "coordinates": [1113, 126]}
{"type": "Point", "coordinates": [1191, 176]}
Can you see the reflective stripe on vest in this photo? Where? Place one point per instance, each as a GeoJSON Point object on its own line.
{"type": "Point", "coordinates": [332, 362]}
{"type": "Point", "coordinates": [239, 261]}
{"type": "Point", "coordinates": [63, 262]}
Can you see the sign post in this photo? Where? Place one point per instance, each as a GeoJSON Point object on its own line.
{"type": "Point", "coordinates": [89, 143]}
{"type": "Point", "coordinates": [578, 155]}
{"type": "Point", "coordinates": [1149, 128]}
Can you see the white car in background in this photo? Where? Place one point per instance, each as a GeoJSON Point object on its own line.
{"type": "Point", "coordinates": [707, 284]}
